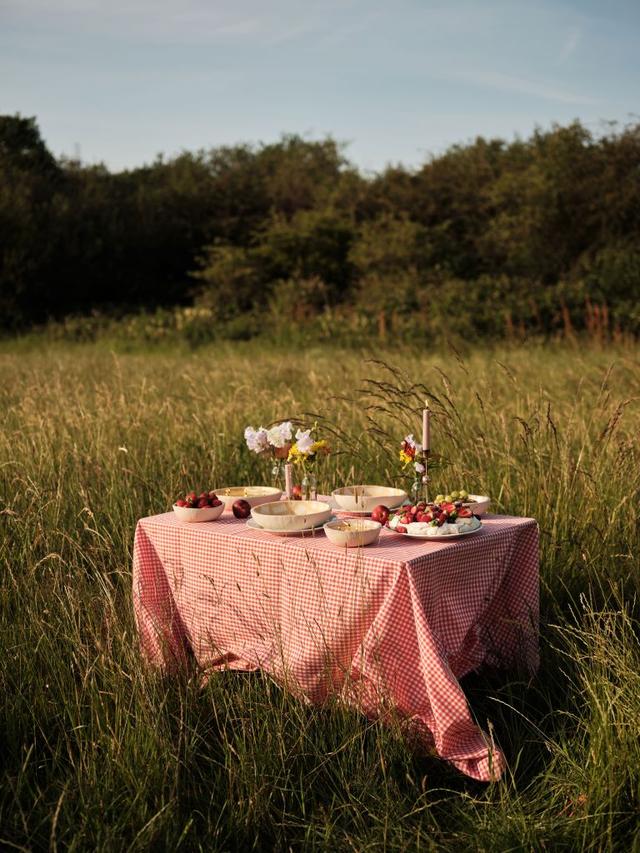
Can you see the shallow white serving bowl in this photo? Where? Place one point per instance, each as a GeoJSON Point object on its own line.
{"type": "Point", "coordinates": [207, 513]}
{"type": "Point", "coordinates": [291, 515]}
{"type": "Point", "coordinates": [366, 498]}
{"type": "Point", "coordinates": [254, 495]}
{"type": "Point", "coordinates": [353, 533]}
{"type": "Point", "coordinates": [478, 504]}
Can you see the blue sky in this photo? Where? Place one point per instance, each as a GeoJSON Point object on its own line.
{"type": "Point", "coordinates": [123, 80]}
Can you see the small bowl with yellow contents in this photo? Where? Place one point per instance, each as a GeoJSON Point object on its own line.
{"type": "Point", "coordinates": [352, 532]}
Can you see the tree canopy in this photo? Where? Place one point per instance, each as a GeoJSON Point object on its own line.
{"type": "Point", "coordinates": [531, 231]}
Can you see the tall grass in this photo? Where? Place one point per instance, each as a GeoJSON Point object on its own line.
{"type": "Point", "coordinates": [99, 753]}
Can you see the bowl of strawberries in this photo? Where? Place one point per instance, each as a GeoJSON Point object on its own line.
{"type": "Point", "coordinates": [206, 506]}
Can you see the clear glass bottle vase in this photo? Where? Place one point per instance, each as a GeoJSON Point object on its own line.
{"type": "Point", "coordinates": [309, 486]}
{"type": "Point", "coordinates": [277, 474]}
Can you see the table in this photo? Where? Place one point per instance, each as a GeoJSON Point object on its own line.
{"type": "Point", "coordinates": [388, 628]}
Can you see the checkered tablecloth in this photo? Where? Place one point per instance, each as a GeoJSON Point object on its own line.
{"type": "Point", "coordinates": [389, 628]}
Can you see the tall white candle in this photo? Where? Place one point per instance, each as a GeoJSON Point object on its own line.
{"type": "Point", "coordinates": [288, 483]}
{"type": "Point", "coordinates": [426, 431]}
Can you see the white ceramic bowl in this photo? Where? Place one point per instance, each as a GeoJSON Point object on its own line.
{"type": "Point", "coordinates": [207, 513]}
{"type": "Point", "coordinates": [254, 495]}
{"type": "Point", "coordinates": [366, 498]}
{"type": "Point", "coordinates": [478, 504]}
{"type": "Point", "coordinates": [291, 515]}
{"type": "Point", "coordinates": [353, 532]}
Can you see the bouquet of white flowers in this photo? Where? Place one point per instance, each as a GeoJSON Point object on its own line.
{"type": "Point", "coordinates": [275, 441]}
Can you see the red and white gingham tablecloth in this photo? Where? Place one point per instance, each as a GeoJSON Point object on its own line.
{"type": "Point", "coordinates": [387, 627]}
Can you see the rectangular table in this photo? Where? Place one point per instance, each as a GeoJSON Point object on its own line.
{"type": "Point", "coordinates": [386, 627]}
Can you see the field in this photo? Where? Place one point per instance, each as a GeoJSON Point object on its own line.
{"type": "Point", "coordinates": [100, 754]}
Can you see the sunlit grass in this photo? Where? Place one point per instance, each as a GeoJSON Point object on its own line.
{"type": "Point", "coordinates": [98, 753]}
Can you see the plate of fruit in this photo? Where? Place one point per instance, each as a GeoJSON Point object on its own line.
{"type": "Point", "coordinates": [478, 504]}
{"type": "Point", "coordinates": [206, 506]}
{"type": "Point", "coordinates": [434, 520]}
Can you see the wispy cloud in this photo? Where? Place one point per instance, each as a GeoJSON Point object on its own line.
{"type": "Point", "coordinates": [570, 45]}
{"type": "Point", "coordinates": [183, 21]}
{"type": "Point", "coordinates": [510, 83]}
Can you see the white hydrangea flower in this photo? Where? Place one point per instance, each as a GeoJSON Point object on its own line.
{"type": "Point", "coordinates": [280, 434]}
{"type": "Point", "coordinates": [304, 441]}
{"type": "Point", "coordinates": [257, 439]}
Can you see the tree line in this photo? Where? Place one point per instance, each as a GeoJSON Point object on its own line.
{"type": "Point", "coordinates": [491, 238]}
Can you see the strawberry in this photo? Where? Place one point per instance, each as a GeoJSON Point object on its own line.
{"type": "Point", "coordinates": [202, 503]}
{"type": "Point", "coordinates": [464, 512]}
{"type": "Point", "coordinates": [192, 496]}
{"type": "Point", "coordinates": [401, 528]}
{"type": "Point", "coordinates": [180, 502]}
{"type": "Point", "coordinates": [448, 507]}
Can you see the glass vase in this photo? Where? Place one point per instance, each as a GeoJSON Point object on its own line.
{"type": "Point", "coordinates": [309, 486]}
{"type": "Point", "coordinates": [277, 474]}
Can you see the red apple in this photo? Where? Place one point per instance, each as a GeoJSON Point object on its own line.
{"type": "Point", "coordinates": [241, 509]}
{"type": "Point", "coordinates": [380, 513]}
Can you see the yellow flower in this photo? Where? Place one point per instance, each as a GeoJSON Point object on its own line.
{"type": "Point", "coordinates": [294, 455]}
{"type": "Point", "coordinates": [321, 446]}
{"type": "Point", "coordinates": [405, 458]}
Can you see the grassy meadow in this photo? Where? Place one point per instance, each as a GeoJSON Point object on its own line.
{"type": "Point", "coordinates": [98, 753]}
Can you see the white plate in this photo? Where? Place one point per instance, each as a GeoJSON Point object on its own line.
{"type": "Point", "coordinates": [252, 524]}
{"type": "Point", "coordinates": [447, 538]}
